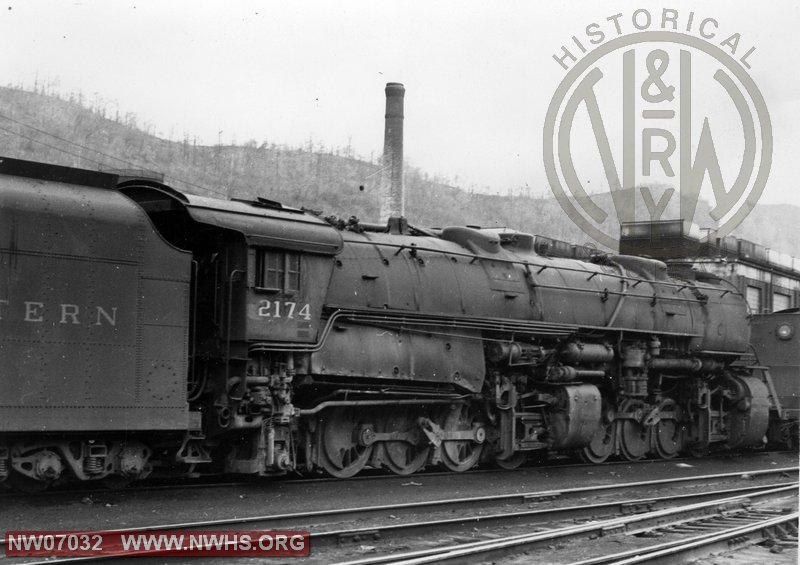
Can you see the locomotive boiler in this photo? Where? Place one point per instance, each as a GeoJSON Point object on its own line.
{"type": "Point", "coordinates": [149, 330]}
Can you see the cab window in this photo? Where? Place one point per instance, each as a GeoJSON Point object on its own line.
{"type": "Point", "coordinates": [277, 271]}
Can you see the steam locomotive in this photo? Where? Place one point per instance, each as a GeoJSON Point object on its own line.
{"type": "Point", "coordinates": [145, 330]}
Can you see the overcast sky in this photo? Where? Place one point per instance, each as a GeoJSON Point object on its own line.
{"type": "Point", "coordinates": [479, 75]}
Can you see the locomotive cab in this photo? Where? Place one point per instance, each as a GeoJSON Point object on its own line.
{"type": "Point", "coordinates": [260, 274]}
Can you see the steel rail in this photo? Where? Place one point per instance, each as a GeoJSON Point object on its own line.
{"type": "Point", "coordinates": [535, 517]}
{"type": "Point", "coordinates": [512, 545]}
{"type": "Point", "coordinates": [695, 547]}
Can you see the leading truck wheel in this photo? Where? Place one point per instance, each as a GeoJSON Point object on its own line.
{"type": "Point", "coordinates": [342, 452]}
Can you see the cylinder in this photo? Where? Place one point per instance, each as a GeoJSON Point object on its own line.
{"type": "Point", "coordinates": [392, 204]}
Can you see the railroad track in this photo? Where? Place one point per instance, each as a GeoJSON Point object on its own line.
{"type": "Point", "coordinates": [721, 535]}
{"type": "Point", "coordinates": [333, 531]}
{"type": "Point", "coordinates": [689, 516]}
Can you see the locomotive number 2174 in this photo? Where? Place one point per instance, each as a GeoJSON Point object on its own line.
{"type": "Point", "coordinates": [280, 309]}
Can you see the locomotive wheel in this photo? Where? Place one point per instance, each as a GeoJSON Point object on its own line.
{"type": "Point", "coordinates": [668, 436]}
{"type": "Point", "coordinates": [634, 438]}
{"type": "Point", "coordinates": [602, 445]}
{"type": "Point", "coordinates": [341, 453]}
{"type": "Point", "coordinates": [402, 457]}
{"type": "Point", "coordinates": [460, 455]}
{"type": "Point", "coordinates": [512, 462]}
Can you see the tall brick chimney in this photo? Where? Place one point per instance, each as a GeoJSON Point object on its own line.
{"type": "Point", "coordinates": [392, 190]}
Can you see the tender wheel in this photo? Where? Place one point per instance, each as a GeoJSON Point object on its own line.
{"type": "Point", "coordinates": [460, 455]}
{"type": "Point", "coordinates": [668, 435]}
{"type": "Point", "coordinates": [341, 453]}
{"type": "Point", "coordinates": [602, 445]}
{"type": "Point", "coordinates": [403, 457]}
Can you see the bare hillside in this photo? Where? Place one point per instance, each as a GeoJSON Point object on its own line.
{"type": "Point", "coordinates": [74, 132]}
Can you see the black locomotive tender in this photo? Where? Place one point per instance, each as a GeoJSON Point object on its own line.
{"type": "Point", "coordinates": [147, 330]}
